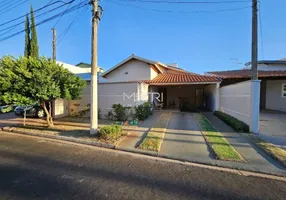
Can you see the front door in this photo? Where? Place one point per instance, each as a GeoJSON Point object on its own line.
{"type": "Point", "coordinates": [199, 98]}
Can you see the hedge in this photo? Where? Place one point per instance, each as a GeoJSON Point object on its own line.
{"type": "Point", "coordinates": [110, 132]}
{"type": "Point", "coordinates": [236, 124]}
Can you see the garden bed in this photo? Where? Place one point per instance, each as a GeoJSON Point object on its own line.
{"type": "Point", "coordinates": [155, 136]}
{"type": "Point", "coordinates": [219, 145]}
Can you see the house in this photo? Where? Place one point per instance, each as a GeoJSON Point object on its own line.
{"type": "Point", "coordinates": [136, 80]}
{"type": "Point", "coordinates": [272, 74]}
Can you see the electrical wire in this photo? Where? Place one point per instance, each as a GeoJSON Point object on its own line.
{"type": "Point", "coordinates": [180, 11]}
{"type": "Point", "coordinates": [35, 11]}
{"type": "Point", "coordinates": [74, 8]}
{"type": "Point", "coordinates": [36, 17]}
{"type": "Point", "coordinates": [63, 13]}
{"type": "Point", "coordinates": [62, 35]}
{"type": "Point", "coordinates": [7, 9]}
{"type": "Point", "coordinates": [261, 32]}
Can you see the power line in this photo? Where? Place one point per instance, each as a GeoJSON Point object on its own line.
{"type": "Point", "coordinates": [261, 32]}
{"type": "Point", "coordinates": [180, 11]}
{"type": "Point", "coordinates": [35, 11]}
{"type": "Point", "coordinates": [70, 25]}
{"type": "Point", "coordinates": [63, 13]}
{"type": "Point", "coordinates": [187, 2]}
{"type": "Point", "coordinates": [44, 21]}
{"type": "Point", "coordinates": [36, 17]}
{"type": "Point", "coordinates": [7, 9]}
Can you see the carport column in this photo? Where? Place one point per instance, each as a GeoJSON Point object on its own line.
{"type": "Point", "coordinates": [255, 105]}
{"type": "Point", "coordinates": [217, 97]}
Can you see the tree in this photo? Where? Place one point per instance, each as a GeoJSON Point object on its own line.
{"type": "Point", "coordinates": [27, 50]}
{"type": "Point", "coordinates": [34, 38]}
{"type": "Point", "coordinates": [28, 80]}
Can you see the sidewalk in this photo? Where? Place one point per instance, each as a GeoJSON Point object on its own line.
{"type": "Point", "coordinates": [256, 159]}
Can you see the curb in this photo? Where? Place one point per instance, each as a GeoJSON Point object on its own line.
{"type": "Point", "coordinates": [57, 137]}
{"type": "Point", "coordinates": [156, 157]}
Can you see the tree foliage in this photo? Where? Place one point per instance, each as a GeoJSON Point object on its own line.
{"type": "Point", "coordinates": [27, 50]}
{"type": "Point", "coordinates": [34, 39]}
{"type": "Point", "coordinates": [27, 80]}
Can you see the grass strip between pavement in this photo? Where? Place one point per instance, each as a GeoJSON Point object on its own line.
{"type": "Point", "coordinates": [155, 136]}
{"type": "Point", "coordinates": [219, 145]}
{"type": "Point", "coordinates": [273, 151]}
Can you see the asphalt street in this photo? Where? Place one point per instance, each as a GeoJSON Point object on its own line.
{"type": "Point", "coordinates": [35, 168]}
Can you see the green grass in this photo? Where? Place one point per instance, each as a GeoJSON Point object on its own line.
{"type": "Point", "coordinates": [154, 138]}
{"type": "Point", "coordinates": [276, 153]}
{"type": "Point", "coordinates": [220, 146]}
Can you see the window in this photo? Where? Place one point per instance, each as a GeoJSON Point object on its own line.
{"type": "Point", "coordinates": [284, 90]}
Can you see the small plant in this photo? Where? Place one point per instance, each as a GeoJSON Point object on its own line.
{"type": "Point", "coordinates": [119, 111]}
{"type": "Point", "coordinates": [236, 124]}
{"type": "Point", "coordinates": [110, 132]}
{"type": "Point", "coordinates": [143, 111]}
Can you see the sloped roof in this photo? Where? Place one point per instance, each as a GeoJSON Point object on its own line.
{"type": "Point", "coordinates": [246, 73]}
{"type": "Point", "coordinates": [181, 78]}
{"type": "Point", "coordinates": [152, 62]}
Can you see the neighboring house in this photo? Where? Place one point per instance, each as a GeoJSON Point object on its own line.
{"type": "Point", "coordinates": [272, 74]}
{"type": "Point", "coordinates": [136, 80]}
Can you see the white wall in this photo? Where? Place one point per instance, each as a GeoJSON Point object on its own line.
{"type": "Point", "coordinates": [274, 99]}
{"type": "Point", "coordinates": [74, 69]}
{"type": "Point", "coordinates": [211, 93]}
{"type": "Point", "coordinates": [61, 108]}
{"type": "Point", "coordinates": [134, 70]}
{"type": "Point", "coordinates": [241, 100]}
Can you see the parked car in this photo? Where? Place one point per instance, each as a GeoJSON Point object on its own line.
{"type": "Point", "coordinates": [6, 108]}
{"type": "Point", "coordinates": [31, 111]}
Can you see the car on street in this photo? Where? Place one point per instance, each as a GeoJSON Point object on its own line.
{"type": "Point", "coordinates": [31, 111]}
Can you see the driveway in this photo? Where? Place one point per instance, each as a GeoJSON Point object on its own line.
{"type": "Point", "coordinates": [184, 140]}
{"type": "Point", "coordinates": [273, 127]}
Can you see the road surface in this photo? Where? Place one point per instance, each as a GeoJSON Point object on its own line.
{"type": "Point", "coordinates": [34, 168]}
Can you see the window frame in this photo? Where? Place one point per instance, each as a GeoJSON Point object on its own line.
{"type": "Point", "coordinates": [283, 92]}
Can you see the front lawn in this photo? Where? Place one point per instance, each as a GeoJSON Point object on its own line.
{"type": "Point", "coordinates": [220, 146]}
{"type": "Point", "coordinates": [155, 136]}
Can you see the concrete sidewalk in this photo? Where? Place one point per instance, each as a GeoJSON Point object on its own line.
{"type": "Point", "coordinates": [184, 140]}
{"type": "Point", "coordinates": [256, 159]}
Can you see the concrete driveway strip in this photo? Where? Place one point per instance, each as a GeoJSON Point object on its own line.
{"type": "Point", "coordinates": [256, 159]}
{"type": "Point", "coordinates": [184, 140]}
{"type": "Point", "coordinates": [35, 168]}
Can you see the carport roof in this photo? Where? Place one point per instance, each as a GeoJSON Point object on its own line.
{"type": "Point", "coordinates": [181, 78]}
{"type": "Point", "coordinates": [246, 73]}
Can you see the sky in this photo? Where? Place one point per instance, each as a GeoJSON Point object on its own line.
{"type": "Point", "coordinates": [197, 41]}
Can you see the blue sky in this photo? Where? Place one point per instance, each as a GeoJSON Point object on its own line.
{"type": "Point", "coordinates": [197, 42]}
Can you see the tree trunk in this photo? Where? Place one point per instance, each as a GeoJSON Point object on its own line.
{"type": "Point", "coordinates": [49, 117]}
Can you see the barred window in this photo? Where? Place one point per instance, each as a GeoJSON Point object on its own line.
{"type": "Point", "coordinates": [284, 90]}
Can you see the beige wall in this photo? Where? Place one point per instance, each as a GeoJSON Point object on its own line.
{"type": "Point", "coordinates": [134, 70]}
{"type": "Point", "coordinates": [274, 99]}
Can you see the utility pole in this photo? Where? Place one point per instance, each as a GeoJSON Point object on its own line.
{"type": "Point", "coordinates": [96, 14]}
{"type": "Point", "coordinates": [54, 44]}
{"type": "Point", "coordinates": [254, 73]}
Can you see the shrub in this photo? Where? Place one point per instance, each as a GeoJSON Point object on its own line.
{"type": "Point", "coordinates": [236, 124]}
{"type": "Point", "coordinates": [110, 132]}
{"type": "Point", "coordinates": [143, 111]}
{"type": "Point", "coordinates": [119, 111]}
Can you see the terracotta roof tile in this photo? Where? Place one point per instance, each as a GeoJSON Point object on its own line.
{"type": "Point", "coordinates": [183, 78]}
{"type": "Point", "coordinates": [246, 73]}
